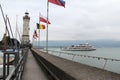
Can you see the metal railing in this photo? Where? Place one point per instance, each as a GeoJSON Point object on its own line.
{"type": "Point", "coordinates": [18, 65]}
{"type": "Point", "coordinates": [59, 53]}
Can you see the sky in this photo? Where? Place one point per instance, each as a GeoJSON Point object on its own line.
{"type": "Point", "coordinates": [79, 20]}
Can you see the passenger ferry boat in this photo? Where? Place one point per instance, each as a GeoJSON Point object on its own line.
{"type": "Point", "coordinates": [80, 47]}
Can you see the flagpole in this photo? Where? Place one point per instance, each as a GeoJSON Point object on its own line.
{"type": "Point", "coordinates": [47, 27]}
{"type": "Point", "coordinates": [39, 31]}
{"type": "Point", "coordinates": [32, 41]}
{"type": "Point", "coordinates": [39, 39]}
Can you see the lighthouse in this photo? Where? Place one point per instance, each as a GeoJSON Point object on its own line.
{"type": "Point", "coordinates": [25, 35]}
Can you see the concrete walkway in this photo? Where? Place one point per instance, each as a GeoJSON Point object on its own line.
{"type": "Point", "coordinates": [77, 70]}
{"type": "Point", "coordinates": [32, 71]}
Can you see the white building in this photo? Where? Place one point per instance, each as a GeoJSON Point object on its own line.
{"type": "Point", "coordinates": [25, 35]}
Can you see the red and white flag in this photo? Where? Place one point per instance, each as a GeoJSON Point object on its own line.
{"type": "Point", "coordinates": [35, 35]}
{"type": "Point", "coordinates": [44, 19]}
{"type": "Point", "coordinates": [58, 2]}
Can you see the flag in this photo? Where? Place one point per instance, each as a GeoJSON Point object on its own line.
{"type": "Point", "coordinates": [44, 19]}
{"type": "Point", "coordinates": [35, 35]}
{"type": "Point", "coordinates": [41, 26]}
{"type": "Point", "coordinates": [57, 2]}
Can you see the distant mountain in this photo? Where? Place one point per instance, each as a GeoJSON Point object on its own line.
{"type": "Point", "coordinates": [96, 43]}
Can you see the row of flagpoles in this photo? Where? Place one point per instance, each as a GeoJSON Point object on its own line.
{"type": "Point", "coordinates": [43, 19]}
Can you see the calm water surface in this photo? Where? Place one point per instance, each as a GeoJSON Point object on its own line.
{"type": "Point", "coordinates": [100, 52]}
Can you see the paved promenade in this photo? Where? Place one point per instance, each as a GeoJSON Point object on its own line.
{"type": "Point", "coordinates": [79, 71]}
{"type": "Point", "coordinates": [32, 71]}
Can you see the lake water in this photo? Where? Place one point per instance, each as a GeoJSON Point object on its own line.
{"type": "Point", "coordinates": [113, 53]}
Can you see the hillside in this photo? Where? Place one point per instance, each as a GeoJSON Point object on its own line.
{"type": "Point", "coordinates": [96, 43]}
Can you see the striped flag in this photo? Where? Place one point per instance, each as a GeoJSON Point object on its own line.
{"type": "Point", "coordinates": [57, 2]}
{"type": "Point", "coordinates": [40, 26]}
{"type": "Point", "coordinates": [44, 19]}
{"type": "Point", "coordinates": [35, 35]}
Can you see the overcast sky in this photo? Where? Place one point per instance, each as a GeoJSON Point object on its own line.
{"type": "Point", "coordinates": [79, 20]}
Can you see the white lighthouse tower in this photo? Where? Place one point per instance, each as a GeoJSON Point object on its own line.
{"type": "Point", "coordinates": [25, 36]}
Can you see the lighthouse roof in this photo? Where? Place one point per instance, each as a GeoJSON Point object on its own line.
{"type": "Point", "coordinates": [26, 16]}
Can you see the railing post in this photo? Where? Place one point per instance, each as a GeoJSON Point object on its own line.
{"type": "Point", "coordinates": [8, 67]}
{"type": "Point", "coordinates": [60, 54]}
{"type": "Point", "coordinates": [73, 57]}
{"type": "Point", "coordinates": [105, 64]}
{"type": "Point", "coordinates": [4, 66]}
{"type": "Point", "coordinates": [19, 62]}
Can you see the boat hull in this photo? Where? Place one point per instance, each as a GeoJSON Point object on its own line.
{"type": "Point", "coordinates": [78, 49]}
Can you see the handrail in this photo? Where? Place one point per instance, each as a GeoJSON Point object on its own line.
{"type": "Point", "coordinates": [86, 56]}
{"type": "Point", "coordinates": [18, 64]}
{"type": "Point", "coordinates": [17, 71]}
{"type": "Point", "coordinates": [60, 52]}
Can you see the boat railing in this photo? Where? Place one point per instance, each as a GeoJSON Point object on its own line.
{"type": "Point", "coordinates": [59, 53]}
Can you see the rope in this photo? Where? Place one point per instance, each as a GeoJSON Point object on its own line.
{"type": "Point", "coordinates": [10, 27]}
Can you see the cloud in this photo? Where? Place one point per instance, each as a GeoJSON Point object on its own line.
{"type": "Point", "coordinates": [80, 19]}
